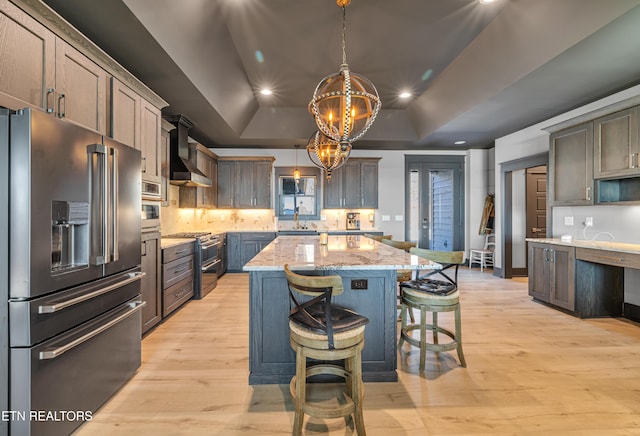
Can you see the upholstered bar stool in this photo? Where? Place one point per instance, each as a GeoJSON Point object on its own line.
{"type": "Point", "coordinates": [402, 274]}
{"type": "Point", "coordinates": [327, 333]}
{"type": "Point", "coordinates": [430, 295]}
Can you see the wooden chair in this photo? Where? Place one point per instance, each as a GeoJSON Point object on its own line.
{"type": "Point", "coordinates": [430, 295]}
{"type": "Point", "coordinates": [378, 238]}
{"type": "Point", "coordinates": [483, 256]}
{"type": "Point", "coordinates": [402, 274]}
{"type": "Point", "coordinates": [325, 332]}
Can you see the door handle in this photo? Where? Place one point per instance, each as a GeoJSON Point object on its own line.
{"type": "Point", "coordinates": [52, 354]}
{"type": "Point", "coordinates": [61, 113]}
{"type": "Point", "coordinates": [99, 184]}
{"type": "Point", "coordinates": [49, 110]}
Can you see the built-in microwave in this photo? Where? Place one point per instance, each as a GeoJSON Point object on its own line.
{"type": "Point", "coordinates": [150, 215]}
{"type": "Point", "coordinates": [151, 191]}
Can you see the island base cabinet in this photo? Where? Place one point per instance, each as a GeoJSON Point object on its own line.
{"type": "Point", "coordinates": [271, 359]}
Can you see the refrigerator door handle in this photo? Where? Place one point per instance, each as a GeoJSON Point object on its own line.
{"type": "Point", "coordinates": [51, 308]}
{"type": "Point", "coordinates": [114, 206]}
{"type": "Point", "coordinates": [98, 185]}
{"type": "Point", "coordinates": [57, 352]}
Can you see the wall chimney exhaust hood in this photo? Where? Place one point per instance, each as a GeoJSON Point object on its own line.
{"type": "Point", "coordinates": [182, 171]}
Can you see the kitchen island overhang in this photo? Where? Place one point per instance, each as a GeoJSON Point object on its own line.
{"type": "Point", "coordinates": [368, 270]}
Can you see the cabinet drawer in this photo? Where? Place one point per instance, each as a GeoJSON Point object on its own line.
{"type": "Point", "coordinates": [177, 251]}
{"type": "Point", "coordinates": [266, 236]}
{"type": "Point", "coordinates": [176, 295]}
{"type": "Point", "coordinates": [607, 257]}
{"type": "Point", "coordinates": [177, 270]}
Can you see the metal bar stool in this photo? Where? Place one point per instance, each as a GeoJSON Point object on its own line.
{"type": "Point", "coordinates": [325, 332]}
{"type": "Point", "coordinates": [429, 295]}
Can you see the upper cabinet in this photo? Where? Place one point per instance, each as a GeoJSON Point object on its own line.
{"type": "Point", "coordinates": [244, 183]}
{"type": "Point", "coordinates": [353, 186]}
{"type": "Point", "coordinates": [571, 163]}
{"type": "Point", "coordinates": [616, 146]}
{"type": "Point", "coordinates": [40, 70]}
{"type": "Point", "coordinates": [201, 197]}
{"type": "Point", "coordinates": [136, 122]}
{"type": "Point", "coordinates": [47, 64]}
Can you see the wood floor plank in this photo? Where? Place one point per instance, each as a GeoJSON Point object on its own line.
{"type": "Point", "coordinates": [531, 370]}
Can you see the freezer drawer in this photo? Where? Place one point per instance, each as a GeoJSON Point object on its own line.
{"type": "Point", "coordinates": [74, 372]}
{"type": "Point", "coordinates": [34, 321]}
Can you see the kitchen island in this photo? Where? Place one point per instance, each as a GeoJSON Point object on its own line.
{"type": "Point", "coordinates": [368, 269]}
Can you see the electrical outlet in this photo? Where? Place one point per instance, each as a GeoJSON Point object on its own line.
{"type": "Point", "coordinates": [359, 284]}
{"type": "Point", "coordinates": [386, 217]}
{"type": "Point", "coordinates": [588, 221]}
{"type": "Point", "coordinates": [568, 221]}
{"type": "Point", "coordinates": [398, 217]}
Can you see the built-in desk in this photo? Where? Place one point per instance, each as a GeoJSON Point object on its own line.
{"type": "Point", "coordinates": [585, 278]}
{"type": "Point", "coordinates": [368, 269]}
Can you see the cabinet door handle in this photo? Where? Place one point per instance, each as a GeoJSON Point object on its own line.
{"type": "Point", "coordinates": [588, 193]}
{"type": "Point", "coordinates": [144, 164]}
{"type": "Point", "coordinates": [50, 110]}
{"type": "Point", "coordinates": [633, 160]}
{"type": "Point", "coordinates": [61, 112]}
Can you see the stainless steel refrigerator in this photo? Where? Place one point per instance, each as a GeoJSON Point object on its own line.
{"type": "Point", "coordinates": [70, 227]}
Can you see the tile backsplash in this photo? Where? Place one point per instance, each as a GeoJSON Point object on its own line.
{"type": "Point", "coordinates": [175, 219]}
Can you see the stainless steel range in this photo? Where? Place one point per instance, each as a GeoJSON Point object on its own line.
{"type": "Point", "coordinates": [209, 264]}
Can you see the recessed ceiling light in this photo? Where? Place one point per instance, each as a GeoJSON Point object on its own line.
{"type": "Point", "coordinates": [405, 95]}
{"type": "Point", "coordinates": [460, 142]}
{"type": "Point", "coordinates": [485, 2]}
{"type": "Point", "coordinates": [266, 91]}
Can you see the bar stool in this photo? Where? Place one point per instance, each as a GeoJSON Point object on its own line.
{"type": "Point", "coordinates": [402, 274]}
{"type": "Point", "coordinates": [429, 295]}
{"type": "Point", "coordinates": [325, 332]}
{"type": "Point", "coordinates": [378, 238]}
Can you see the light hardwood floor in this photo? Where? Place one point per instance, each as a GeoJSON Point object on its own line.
{"type": "Point", "coordinates": [531, 370]}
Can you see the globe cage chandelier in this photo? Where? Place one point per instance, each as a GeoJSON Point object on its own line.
{"type": "Point", "coordinates": [327, 154]}
{"type": "Point", "coordinates": [344, 104]}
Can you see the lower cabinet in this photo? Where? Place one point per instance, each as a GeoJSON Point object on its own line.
{"type": "Point", "coordinates": [552, 274]}
{"type": "Point", "coordinates": [150, 284]}
{"type": "Point", "coordinates": [243, 246]}
{"type": "Point", "coordinates": [177, 276]}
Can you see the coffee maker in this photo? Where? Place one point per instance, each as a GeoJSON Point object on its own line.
{"type": "Point", "coordinates": [353, 221]}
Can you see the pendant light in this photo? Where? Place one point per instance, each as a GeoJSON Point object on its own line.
{"type": "Point", "coordinates": [344, 104]}
{"type": "Point", "coordinates": [296, 172]}
{"type": "Point", "coordinates": [327, 154]}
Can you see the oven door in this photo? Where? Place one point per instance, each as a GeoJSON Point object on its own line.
{"type": "Point", "coordinates": [150, 215]}
{"type": "Point", "coordinates": [209, 275]}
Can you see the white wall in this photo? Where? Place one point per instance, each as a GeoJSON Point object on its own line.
{"type": "Point", "coordinates": [621, 221]}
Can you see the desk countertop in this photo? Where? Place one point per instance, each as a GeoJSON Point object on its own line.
{"type": "Point", "coordinates": [594, 245]}
{"type": "Point", "coordinates": [345, 252]}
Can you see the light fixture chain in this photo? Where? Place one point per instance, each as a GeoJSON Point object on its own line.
{"type": "Point", "coordinates": [344, 35]}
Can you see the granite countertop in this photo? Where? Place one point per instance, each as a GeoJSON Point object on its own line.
{"type": "Point", "coordinates": [346, 252]}
{"type": "Point", "coordinates": [595, 245]}
{"type": "Point", "coordinates": [171, 242]}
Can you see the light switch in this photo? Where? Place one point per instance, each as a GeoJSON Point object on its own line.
{"type": "Point", "coordinates": [398, 217]}
{"type": "Point", "coordinates": [568, 221]}
{"type": "Point", "coordinates": [386, 217]}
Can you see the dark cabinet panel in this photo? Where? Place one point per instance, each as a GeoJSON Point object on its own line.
{"type": "Point", "coordinates": [244, 183]}
{"type": "Point", "coordinates": [354, 185]}
{"type": "Point", "coordinates": [150, 283]}
{"type": "Point", "coordinates": [552, 274]}
{"type": "Point", "coordinates": [616, 144]}
{"type": "Point", "coordinates": [571, 163]}
{"type": "Point", "coordinates": [243, 246]}
{"type": "Point", "coordinates": [205, 197]}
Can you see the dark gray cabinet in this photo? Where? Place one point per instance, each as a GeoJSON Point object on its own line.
{"type": "Point", "coordinates": [243, 246]}
{"type": "Point", "coordinates": [177, 276]}
{"type": "Point", "coordinates": [150, 286]}
{"type": "Point", "coordinates": [616, 145]}
{"type": "Point", "coordinates": [201, 197]}
{"type": "Point", "coordinates": [571, 163]}
{"type": "Point", "coordinates": [552, 274]}
{"type": "Point", "coordinates": [354, 185]}
{"type": "Point", "coordinates": [244, 183]}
